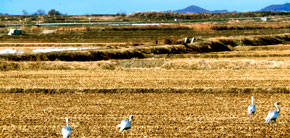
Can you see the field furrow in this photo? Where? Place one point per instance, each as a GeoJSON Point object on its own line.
{"type": "Point", "coordinates": [154, 78]}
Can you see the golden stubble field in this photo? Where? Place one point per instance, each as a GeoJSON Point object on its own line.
{"type": "Point", "coordinates": [156, 114]}
{"type": "Point", "coordinates": [220, 112]}
{"type": "Point", "coordinates": [145, 78]}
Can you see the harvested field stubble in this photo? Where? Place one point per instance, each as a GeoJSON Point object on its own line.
{"type": "Point", "coordinates": [218, 44]}
{"type": "Point", "coordinates": [205, 93]}
{"type": "Point", "coordinates": [145, 78]}
{"type": "Point", "coordinates": [156, 115]}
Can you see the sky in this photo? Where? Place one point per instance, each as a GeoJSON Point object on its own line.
{"type": "Point", "coordinates": [83, 7]}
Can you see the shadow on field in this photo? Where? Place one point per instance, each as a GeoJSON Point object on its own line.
{"type": "Point", "coordinates": [280, 90]}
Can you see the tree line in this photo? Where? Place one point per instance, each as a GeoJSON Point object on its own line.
{"type": "Point", "coordinates": [51, 12]}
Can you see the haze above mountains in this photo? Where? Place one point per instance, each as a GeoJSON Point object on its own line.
{"type": "Point", "coordinates": [196, 9]}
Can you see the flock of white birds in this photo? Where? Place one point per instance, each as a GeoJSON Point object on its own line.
{"type": "Point", "coordinates": [272, 115]}
{"type": "Point", "coordinates": [126, 123]}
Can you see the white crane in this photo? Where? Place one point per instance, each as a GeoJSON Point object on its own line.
{"type": "Point", "coordinates": [66, 131]}
{"type": "Point", "coordinates": [252, 107]}
{"type": "Point", "coordinates": [192, 40]}
{"type": "Point", "coordinates": [272, 115]}
{"type": "Point", "coordinates": [125, 124]}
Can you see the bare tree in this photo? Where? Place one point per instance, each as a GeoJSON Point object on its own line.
{"type": "Point", "coordinates": [25, 12]}
{"type": "Point", "coordinates": [39, 12]}
{"type": "Point", "coordinates": [53, 12]}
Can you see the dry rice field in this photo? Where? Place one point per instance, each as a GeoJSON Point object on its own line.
{"type": "Point", "coordinates": [170, 95]}
{"type": "Point", "coordinates": [156, 114]}
{"type": "Point", "coordinates": [30, 106]}
{"type": "Point", "coordinates": [162, 114]}
{"type": "Point", "coordinates": [145, 78]}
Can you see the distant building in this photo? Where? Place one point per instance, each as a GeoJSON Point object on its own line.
{"type": "Point", "coordinates": [15, 32]}
{"type": "Point", "coordinates": [177, 19]}
{"type": "Point", "coordinates": [264, 18]}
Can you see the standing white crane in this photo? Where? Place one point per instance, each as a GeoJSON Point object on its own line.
{"type": "Point", "coordinates": [125, 124]}
{"type": "Point", "coordinates": [66, 131]}
{"type": "Point", "coordinates": [252, 107]}
{"type": "Point", "coordinates": [192, 40]}
{"type": "Point", "coordinates": [272, 115]}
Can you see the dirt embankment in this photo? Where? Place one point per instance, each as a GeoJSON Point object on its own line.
{"type": "Point", "coordinates": [203, 46]}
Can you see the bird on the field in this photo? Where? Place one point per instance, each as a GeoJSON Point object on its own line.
{"type": "Point", "coordinates": [125, 124]}
{"type": "Point", "coordinates": [272, 115]}
{"type": "Point", "coordinates": [66, 131]}
{"type": "Point", "coordinates": [252, 107]}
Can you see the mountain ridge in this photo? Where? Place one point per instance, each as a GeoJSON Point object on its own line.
{"type": "Point", "coordinates": [197, 9]}
{"type": "Point", "coordinates": [281, 7]}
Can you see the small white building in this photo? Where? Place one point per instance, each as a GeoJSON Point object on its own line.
{"type": "Point", "coordinates": [264, 18]}
{"type": "Point", "coordinates": [176, 20]}
{"type": "Point", "coordinates": [15, 32]}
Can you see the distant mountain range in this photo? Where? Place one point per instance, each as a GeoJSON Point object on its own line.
{"type": "Point", "coordinates": [196, 9]}
{"type": "Point", "coordinates": [191, 9]}
{"type": "Point", "coordinates": [283, 7]}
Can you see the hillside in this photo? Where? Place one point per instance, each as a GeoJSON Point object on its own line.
{"type": "Point", "coordinates": [196, 9]}
{"type": "Point", "coordinates": [283, 7]}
